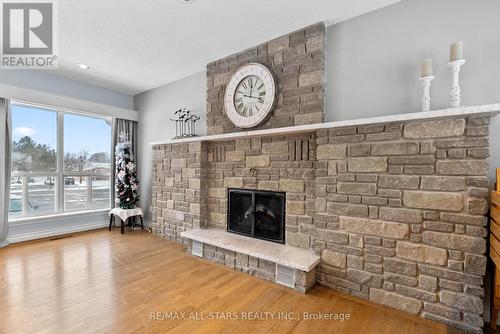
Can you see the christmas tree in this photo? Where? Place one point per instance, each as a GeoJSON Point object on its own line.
{"type": "Point", "coordinates": [126, 184]}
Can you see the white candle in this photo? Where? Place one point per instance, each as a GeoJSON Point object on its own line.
{"type": "Point", "coordinates": [426, 68]}
{"type": "Point", "coordinates": [457, 51]}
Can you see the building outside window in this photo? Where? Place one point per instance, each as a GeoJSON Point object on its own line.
{"type": "Point", "coordinates": [61, 162]}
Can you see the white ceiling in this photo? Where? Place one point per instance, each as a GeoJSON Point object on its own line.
{"type": "Point", "coordinates": [134, 46]}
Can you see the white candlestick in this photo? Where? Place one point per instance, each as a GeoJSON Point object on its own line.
{"type": "Point", "coordinates": [426, 70]}
{"type": "Point", "coordinates": [456, 51]}
{"type": "Point", "coordinates": [426, 98]}
{"type": "Point", "coordinates": [456, 92]}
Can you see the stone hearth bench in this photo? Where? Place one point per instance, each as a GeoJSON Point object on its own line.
{"type": "Point", "coordinates": [287, 265]}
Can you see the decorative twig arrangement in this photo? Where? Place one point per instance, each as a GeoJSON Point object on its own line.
{"type": "Point", "coordinates": [185, 124]}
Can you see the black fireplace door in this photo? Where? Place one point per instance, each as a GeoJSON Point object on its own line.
{"type": "Point", "coordinates": [259, 214]}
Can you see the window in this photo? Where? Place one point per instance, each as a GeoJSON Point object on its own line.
{"type": "Point", "coordinates": [61, 162]}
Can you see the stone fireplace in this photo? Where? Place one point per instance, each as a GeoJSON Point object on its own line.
{"type": "Point", "coordinates": [393, 206]}
{"type": "Point", "coordinates": [257, 214]}
{"type": "Point", "coordinates": [389, 209]}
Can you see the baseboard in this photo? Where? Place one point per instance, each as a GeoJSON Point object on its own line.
{"type": "Point", "coordinates": [55, 231]}
{"type": "Point", "coordinates": [4, 243]}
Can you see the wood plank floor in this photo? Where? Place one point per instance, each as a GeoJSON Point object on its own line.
{"type": "Point", "coordinates": [105, 282]}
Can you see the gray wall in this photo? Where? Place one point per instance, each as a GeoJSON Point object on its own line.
{"type": "Point", "coordinates": [373, 60]}
{"type": "Point", "coordinates": [156, 107]}
{"type": "Point", "coordinates": [373, 65]}
{"type": "Point", "coordinates": [44, 81]}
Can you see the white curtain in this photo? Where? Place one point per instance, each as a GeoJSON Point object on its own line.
{"type": "Point", "coordinates": [5, 158]}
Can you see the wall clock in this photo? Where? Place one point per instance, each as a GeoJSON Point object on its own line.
{"type": "Point", "coordinates": [250, 95]}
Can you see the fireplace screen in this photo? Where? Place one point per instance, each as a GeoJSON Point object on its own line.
{"type": "Point", "coordinates": [259, 214]}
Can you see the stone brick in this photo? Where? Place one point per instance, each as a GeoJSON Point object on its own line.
{"type": "Point", "coordinates": [291, 185]}
{"type": "Point", "coordinates": [280, 147]}
{"type": "Point", "coordinates": [241, 260]}
{"type": "Point", "coordinates": [334, 258]}
{"type": "Point", "coordinates": [462, 167]}
{"type": "Point", "coordinates": [419, 169]}
{"type": "Point", "coordinates": [444, 183]}
{"type": "Point", "coordinates": [463, 219]}
{"type": "Point", "coordinates": [400, 266]}
{"type": "Point", "coordinates": [258, 161]}
{"type": "Point", "coordinates": [398, 181]}
{"type": "Point", "coordinates": [462, 301]}
{"type": "Point", "coordinates": [357, 210]}
{"type": "Point", "coordinates": [311, 78]}
{"type": "Point", "coordinates": [242, 144]}
{"type": "Point", "coordinates": [364, 278]}
{"type": "Point", "coordinates": [331, 151]}
{"type": "Point", "coordinates": [358, 150]}
{"type": "Point", "coordinates": [395, 148]}
{"type": "Point", "coordinates": [320, 204]}
{"type": "Point", "coordinates": [396, 301]}
{"type": "Point", "coordinates": [354, 261]}
{"type": "Point", "coordinates": [454, 241]}
{"type": "Point", "coordinates": [217, 192]}
{"type": "Point", "coordinates": [400, 215]}
{"type": "Point", "coordinates": [295, 207]}
{"type": "Point", "coordinates": [309, 118]}
{"type": "Point", "coordinates": [356, 188]}
{"type": "Point", "coordinates": [234, 156]}
{"type": "Point", "coordinates": [336, 237]}
{"type": "Point", "coordinates": [393, 135]}
{"type": "Point", "coordinates": [428, 283]}
{"type": "Point", "coordinates": [447, 312]}
{"type": "Point", "coordinates": [475, 264]}
{"type": "Point", "coordinates": [416, 293]}
{"type": "Point", "coordinates": [435, 129]}
{"type": "Point", "coordinates": [433, 200]}
{"type": "Point", "coordinates": [400, 279]}
{"type": "Point", "coordinates": [315, 43]}
{"type": "Point", "coordinates": [373, 227]}
{"type": "Point", "coordinates": [278, 44]}
{"type": "Point", "coordinates": [412, 160]}
{"type": "Point", "coordinates": [233, 182]}
{"type": "Point", "coordinates": [218, 218]}
{"type": "Point", "coordinates": [421, 253]}
{"type": "Point", "coordinates": [268, 185]}
{"type": "Point", "coordinates": [298, 240]}
{"type": "Point", "coordinates": [194, 184]}
{"type": "Point", "coordinates": [367, 165]}
{"type": "Point", "coordinates": [356, 240]}
{"type": "Point", "coordinates": [477, 206]}
{"type": "Point", "coordinates": [178, 163]}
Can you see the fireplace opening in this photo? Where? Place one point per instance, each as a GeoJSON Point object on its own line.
{"type": "Point", "coordinates": [256, 213]}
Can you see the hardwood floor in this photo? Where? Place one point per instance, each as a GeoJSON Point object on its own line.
{"type": "Point", "coordinates": [105, 282]}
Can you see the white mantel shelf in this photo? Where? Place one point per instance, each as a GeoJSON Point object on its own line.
{"type": "Point", "coordinates": [483, 110]}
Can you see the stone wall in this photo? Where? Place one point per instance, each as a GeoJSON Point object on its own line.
{"type": "Point", "coordinates": [404, 205]}
{"type": "Point", "coordinates": [179, 187]}
{"type": "Point", "coordinates": [395, 210]}
{"type": "Point", "coordinates": [297, 61]}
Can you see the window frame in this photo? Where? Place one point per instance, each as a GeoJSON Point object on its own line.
{"type": "Point", "coordinates": [60, 174]}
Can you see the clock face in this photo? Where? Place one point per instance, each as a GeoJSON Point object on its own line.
{"type": "Point", "coordinates": [250, 95]}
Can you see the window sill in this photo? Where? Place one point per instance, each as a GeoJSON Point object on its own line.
{"type": "Point", "coordinates": [27, 220]}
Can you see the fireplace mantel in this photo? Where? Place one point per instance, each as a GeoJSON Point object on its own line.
{"type": "Point", "coordinates": [482, 110]}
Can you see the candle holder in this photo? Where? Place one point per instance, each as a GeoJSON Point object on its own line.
{"type": "Point", "coordinates": [456, 93]}
{"type": "Point", "coordinates": [426, 97]}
